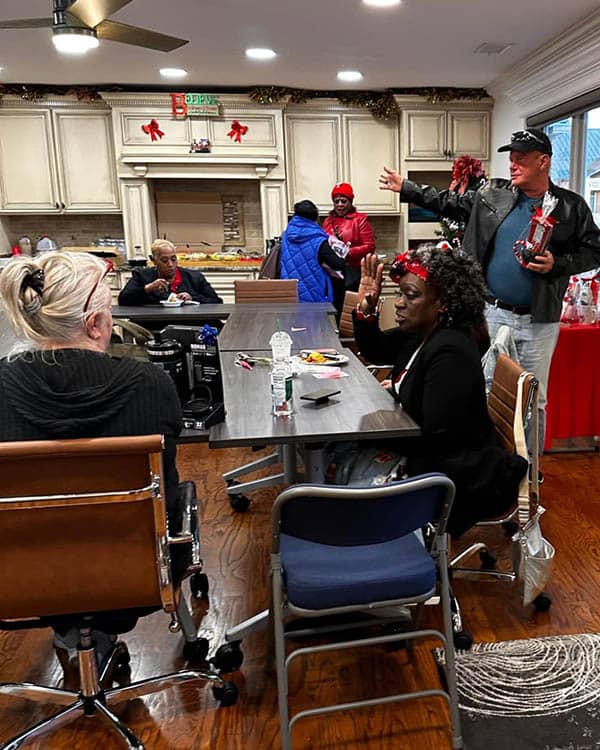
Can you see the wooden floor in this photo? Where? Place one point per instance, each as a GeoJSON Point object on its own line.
{"type": "Point", "coordinates": [235, 552]}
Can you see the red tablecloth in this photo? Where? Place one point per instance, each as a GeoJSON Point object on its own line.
{"type": "Point", "coordinates": [573, 408]}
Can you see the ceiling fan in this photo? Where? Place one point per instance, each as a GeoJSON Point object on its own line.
{"type": "Point", "coordinates": [78, 24]}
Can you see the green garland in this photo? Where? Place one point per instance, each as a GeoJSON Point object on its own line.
{"type": "Point", "coordinates": [37, 92]}
{"type": "Point", "coordinates": [382, 104]}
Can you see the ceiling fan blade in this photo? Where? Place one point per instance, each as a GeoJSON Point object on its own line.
{"type": "Point", "coordinates": [93, 12]}
{"type": "Point", "coordinates": [121, 32]}
{"type": "Point", "coordinates": [27, 23]}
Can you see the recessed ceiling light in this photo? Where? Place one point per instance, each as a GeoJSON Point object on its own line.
{"type": "Point", "coordinates": [382, 3]}
{"type": "Point", "coordinates": [349, 75]}
{"type": "Point", "coordinates": [74, 40]}
{"type": "Point", "coordinates": [261, 53]}
{"type": "Point", "coordinates": [173, 72]}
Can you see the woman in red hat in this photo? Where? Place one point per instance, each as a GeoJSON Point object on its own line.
{"type": "Point", "coordinates": [350, 226]}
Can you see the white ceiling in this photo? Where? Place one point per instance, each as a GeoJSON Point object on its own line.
{"type": "Point", "coordinates": [419, 43]}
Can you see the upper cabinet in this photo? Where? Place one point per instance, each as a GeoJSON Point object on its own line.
{"type": "Point", "coordinates": [59, 161]}
{"type": "Point", "coordinates": [326, 147]}
{"type": "Point", "coordinates": [435, 134]}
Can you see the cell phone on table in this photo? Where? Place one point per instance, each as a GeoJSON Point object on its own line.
{"type": "Point", "coordinates": [319, 397]}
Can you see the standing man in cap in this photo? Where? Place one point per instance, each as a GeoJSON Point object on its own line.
{"type": "Point", "coordinates": [350, 226]}
{"type": "Point", "coordinates": [526, 298]}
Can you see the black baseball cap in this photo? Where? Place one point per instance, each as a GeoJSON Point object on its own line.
{"type": "Point", "coordinates": [528, 140]}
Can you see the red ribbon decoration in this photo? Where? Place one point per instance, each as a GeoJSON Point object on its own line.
{"type": "Point", "coordinates": [404, 264]}
{"type": "Point", "coordinates": [153, 130]}
{"type": "Point", "coordinates": [466, 172]}
{"type": "Point", "coordinates": [237, 131]}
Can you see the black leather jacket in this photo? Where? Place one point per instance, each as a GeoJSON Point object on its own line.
{"type": "Point", "coordinates": [575, 241]}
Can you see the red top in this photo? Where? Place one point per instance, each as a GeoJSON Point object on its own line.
{"type": "Point", "coordinates": [176, 280]}
{"type": "Point", "coordinates": [354, 228]}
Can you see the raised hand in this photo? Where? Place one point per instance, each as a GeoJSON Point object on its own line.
{"type": "Point", "coordinates": [390, 180]}
{"type": "Point", "coordinates": [371, 274]}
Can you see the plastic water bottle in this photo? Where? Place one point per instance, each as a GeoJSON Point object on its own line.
{"type": "Point", "coordinates": [281, 374]}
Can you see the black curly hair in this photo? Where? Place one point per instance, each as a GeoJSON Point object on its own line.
{"type": "Point", "coordinates": [457, 279]}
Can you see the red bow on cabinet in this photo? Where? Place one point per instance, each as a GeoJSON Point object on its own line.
{"type": "Point", "coordinates": [153, 130]}
{"type": "Point", "coordinates": [237, 131]}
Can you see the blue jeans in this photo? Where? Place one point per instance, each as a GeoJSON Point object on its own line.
{"type": "Point", "coordinates": [535, 344]}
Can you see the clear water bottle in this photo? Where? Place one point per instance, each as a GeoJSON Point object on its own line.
{"type": "Point", "coordinates": [281, 374]}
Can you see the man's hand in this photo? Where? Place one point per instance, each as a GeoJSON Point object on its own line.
{"type": "Point", "coordinates": [390, 180]}
{"type": "Point", "coordinates": [543, 263]}
{"type": "Point", "coordinates": [184, 296]}
{"type": "Point", "coordinates": [158, 285]}
{"type": "Point", "coordinates": [371, 274]}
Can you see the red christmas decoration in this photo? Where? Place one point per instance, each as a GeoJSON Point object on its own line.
{"type": "Point", "coordinates": [153, 130]}
{"type": "Point", "coordinates": [237, 131]}
{"type": "Point", "coordinates": [467, 173]}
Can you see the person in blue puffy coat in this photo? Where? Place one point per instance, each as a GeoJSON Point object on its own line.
{"type": "Point", "coordinates": [306, 255]}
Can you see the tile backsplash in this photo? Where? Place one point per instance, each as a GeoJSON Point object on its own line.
{"type": "Point", "coordinates": [64, 229]}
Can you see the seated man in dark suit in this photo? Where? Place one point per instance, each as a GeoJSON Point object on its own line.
{"type": "Point", "coordinates": [150, 286]}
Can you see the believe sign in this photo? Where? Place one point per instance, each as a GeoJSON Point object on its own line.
{"type": "Point", "coordinates": [185, 105]}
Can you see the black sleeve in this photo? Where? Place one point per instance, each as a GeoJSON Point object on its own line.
{"type": "Point", "coordinates": [390, 347]}
{"type": "Point", "coordinates": [584, 253]}
{"type": "Point", "coordinates": [202, 291]}
{"type": "Point", "coordinates": [133, 292]}
{"type": "Point", "coordinates": [327, 256]}
{"type": "Point", "coordinates": [447, 203]}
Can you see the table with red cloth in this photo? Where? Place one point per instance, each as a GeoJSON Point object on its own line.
{"type": "Point", "coordinates": [573, 409]}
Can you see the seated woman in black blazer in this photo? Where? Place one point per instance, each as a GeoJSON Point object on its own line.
{"type": "Point", "coordinates": [437, 376]}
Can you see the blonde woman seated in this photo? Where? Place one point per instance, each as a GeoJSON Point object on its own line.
{"type": "Point", "coordinates": [64, 385]}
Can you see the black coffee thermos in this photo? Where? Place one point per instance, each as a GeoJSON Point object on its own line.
{"type": "Point", "coordinates": [169, 354]}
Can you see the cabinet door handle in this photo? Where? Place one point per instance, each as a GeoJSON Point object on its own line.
{"type": "Point", "coordinates": [56, 205]}
{"type": "Point", "coordinates": [62, 205]}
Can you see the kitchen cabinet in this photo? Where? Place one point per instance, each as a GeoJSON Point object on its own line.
{"type": "Point", "coordinates": [222, 282]}
{"type": "Point", "coordinates": [59, 161]}
{"type": "Point", "coordinates": [435, 134]}
{"type": "Point", "coordinates": [326, 147]}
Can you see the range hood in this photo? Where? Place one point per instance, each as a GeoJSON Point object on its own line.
{"type": "Point", "coordinates": [201, 166]}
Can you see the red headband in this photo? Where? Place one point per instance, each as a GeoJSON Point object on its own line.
{"type": "Point", "coordinates": [403, 264]}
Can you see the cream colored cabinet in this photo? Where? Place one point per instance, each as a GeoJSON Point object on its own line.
{"type": "Point", "coordinates": [56, 162]}
{"type": "Point", "coordinates": [329, 147]}
{"type": "Point", "coordinates": [28, 176]}
{"type": "Point", "coordinates": [432, 135]}
{"type": "Point", "coordinates": [222, 282]}
{"type": "Point", "coordinates": [86, 163]}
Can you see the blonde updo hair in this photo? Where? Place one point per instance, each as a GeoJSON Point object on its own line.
{"type": "Point", "coordinates": [159, 245]}
{"type": "Point", "coordinates": [49, 306]}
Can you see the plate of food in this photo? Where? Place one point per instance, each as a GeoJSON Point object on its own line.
{"type": "Point", "coordinates": [316, 357]}
{"type": "Point", "coordinates": [172, 301]}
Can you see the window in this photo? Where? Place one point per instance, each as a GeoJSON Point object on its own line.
{"type": "Point", "coordinates": [591, 190]}
{"type": "Point", "coordinates": [560, 134]}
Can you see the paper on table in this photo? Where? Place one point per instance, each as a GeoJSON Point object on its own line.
{"type": "Point", "coordinates": [332, 373]}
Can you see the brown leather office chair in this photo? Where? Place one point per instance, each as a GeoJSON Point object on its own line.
{"type": "Point", "coordinates": [509, 378]}
{"type": "Point", "coordinates": [346, 327]}
{"type": "Point", "coordinates": [265, 290]}
{"type": "Point", "coordinates": [84, 542]}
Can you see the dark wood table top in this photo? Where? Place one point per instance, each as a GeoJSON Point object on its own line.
{"type": "Point", "coordinates": [310, 327]}
{"type": "Point", "coordinates": [192, 314]}
{"type": "Point", "coordinates": [362, 411]}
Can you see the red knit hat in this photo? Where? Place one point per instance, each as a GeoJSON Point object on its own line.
{"type": "Point", "coordinates": [343, 188]}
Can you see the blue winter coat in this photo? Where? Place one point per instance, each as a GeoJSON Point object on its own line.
{"type": "Point", "coordinates": [300, 245]}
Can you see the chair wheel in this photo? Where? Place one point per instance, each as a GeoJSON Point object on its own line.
{"type": "Point", "coordinates": [542, 602]}
{"type": "Point", "coordinates": [510, 527]}
{"type": "Point", "coordinates": [228, 657]}
{"type": "Point", "coordinates": [196, 651]}
{"type": "Point", "coordinates": [199, 585]}
{"type": "Point", "coordinates": [226, 694]}
{"type": "Point", "coordinates": [487, 559]}
{"type": "Point", "coordinates": [239, 503]}
{"type": "Point", "coordinates": [463, 640]}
